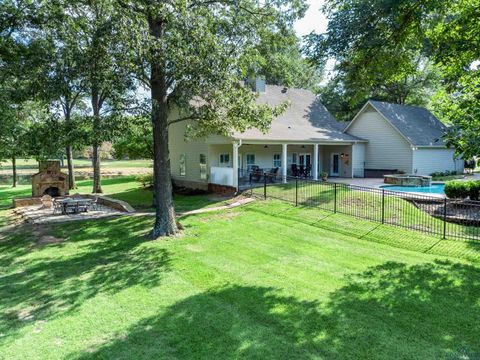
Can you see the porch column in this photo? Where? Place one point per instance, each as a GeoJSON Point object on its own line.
{"type": "Point", "coordinates": [315, 162]}
{"type": "Point", "coordinates": [235, 165]}
{"type": "Point", "coordinates": [351, 159]}
{"type": "Point", "coordinates": [284, 163]}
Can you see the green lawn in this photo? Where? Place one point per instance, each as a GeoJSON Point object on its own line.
{"type": "Point", "coordinates": [265, 281]}
{"type": "Point", "coordinates": [367, 204]}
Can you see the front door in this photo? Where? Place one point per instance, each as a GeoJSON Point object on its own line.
{"type": "Point", "coordinates": [334, 164]}
{"type": "Point", "coordinates": [305, 160]}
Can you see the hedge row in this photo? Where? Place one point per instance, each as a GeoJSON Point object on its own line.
{"type": "Point", "coordinates": [463, 189]}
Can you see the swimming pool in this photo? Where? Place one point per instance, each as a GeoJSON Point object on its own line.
{"type": "Point", "coordinates": [433, 189]}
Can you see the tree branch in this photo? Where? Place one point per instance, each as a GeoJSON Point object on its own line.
{"type": "Point", "coordinates": [190, 117]}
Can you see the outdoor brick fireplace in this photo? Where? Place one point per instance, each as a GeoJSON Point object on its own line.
{"type": "Point", "coordinates": [49, 180]}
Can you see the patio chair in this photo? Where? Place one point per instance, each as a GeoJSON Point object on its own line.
{"type": "Point", "coordinates": [256, 173]}
{"type": "Point", "coordinates": [272, 174]}
{"type": "Point", "coordinates": [308, 170]}
{"type": "Point", "coordinates": [57, 207]}
{"type": "Point", "coordinates": [83, 206]}
{"type": "Point", "coordinates": [93, 206]}
{"type": "Point", "coordinates": [294, 170]}
{"type": "Point", "coordinates": [71, 208]}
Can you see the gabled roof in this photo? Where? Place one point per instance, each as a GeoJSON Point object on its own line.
{"type": "Point", "coordinates": [306, 119]}
{"type": "Point", "coordinates": [416, 124]}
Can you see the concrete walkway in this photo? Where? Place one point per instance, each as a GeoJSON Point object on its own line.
{"type": "Point", "coordinates": [203, 210]}
{"type": "Point", "coordinates": [372, 183]}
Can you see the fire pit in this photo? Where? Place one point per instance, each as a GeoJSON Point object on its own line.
{"type": "Point", "coordinates": [49, 180]}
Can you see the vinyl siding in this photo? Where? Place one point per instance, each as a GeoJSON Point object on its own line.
{"type": "Point", "coordinates": [358, 159]}
{"type": "Point", "coordinates": [192, 150]}
{"type": "Point", "coordinates": [325, 154]}
{"type": "Point", "coordinates": [386, 148]}
{"type": "Point", "coordinates": [427, 161]}
{"type": "Point", "coordinates": [263, 155]}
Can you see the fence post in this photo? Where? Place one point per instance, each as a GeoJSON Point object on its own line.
{"type": "Point", "coordinates": [335, 197]}
{"type": "Point", "coordinates": [296, 190]}
{"type": "Point", "coordinates": [383, 206]}
{"type": "Point", "coordinates": [444, 218]}
{"type": "Point", "coordinates": [265, 186]}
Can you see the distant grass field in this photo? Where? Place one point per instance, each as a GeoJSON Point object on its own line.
{"type": "Point", "coordinates": [80, 163]}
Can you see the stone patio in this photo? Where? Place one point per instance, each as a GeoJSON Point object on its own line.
{"type": "Point", "coordinates": [37, 214]}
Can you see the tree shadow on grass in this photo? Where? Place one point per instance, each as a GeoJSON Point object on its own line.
{"type": "Point", "coordinates": [393, 310]}
{"type": "Point", "coordinates": [8, 193]}
{"type": "Point", "coordinates": [105, 256]}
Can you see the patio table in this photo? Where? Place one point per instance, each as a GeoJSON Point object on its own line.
{"type": "Point", "coordinates": [76, 204]}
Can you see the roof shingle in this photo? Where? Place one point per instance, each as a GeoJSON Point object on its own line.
{"type": "Point", "coordinates": [415, 123]}
{"type": "Point", "coordinates": [306, 119]}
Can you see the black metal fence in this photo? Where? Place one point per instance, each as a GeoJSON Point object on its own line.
{"type": "Point", "coordinates": [447, 218]}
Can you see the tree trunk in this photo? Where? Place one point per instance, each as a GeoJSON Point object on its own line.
{"type": "Point", "coordinates": [14, 171]}
{"type": "Point", "coordinates": [71, 171]}
{"type": "Point", "coordinates": [165, 221]}
{"type": "Point", "coordinates": [97, 180]}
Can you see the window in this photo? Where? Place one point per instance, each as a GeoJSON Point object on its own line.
{"type": "Point", "coordinates": [250, 159]}
{"type": "Point", "coordinates": [203, 166]}
{"type": "Point", "coordinates": [224, 159]}
{"type": "Point", "coordinates": [183, 167]}
{"type": "Point", "coordinates": [277, 160]}
{"type": "Point", "coordinates": [294, 158]}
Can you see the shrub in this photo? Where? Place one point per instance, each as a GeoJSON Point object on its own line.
{"type": "Point", "coordinates": [474, 190]}
{"type": "Point", "coordinates": [456, 189]}
{"type": "Point", "coordinates": [463, 189]}
{"type": "Point", "coordinates": [145, 179]}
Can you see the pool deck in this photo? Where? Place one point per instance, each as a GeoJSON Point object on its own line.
{"type": "Point", "coordinates": [378, 183]}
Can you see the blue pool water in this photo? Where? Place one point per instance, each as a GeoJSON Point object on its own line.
{"type": "Point", "coordinates": [434, 189]}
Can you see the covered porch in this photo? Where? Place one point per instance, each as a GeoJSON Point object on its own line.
{"type": "Point", "coordinates": [241, 163]}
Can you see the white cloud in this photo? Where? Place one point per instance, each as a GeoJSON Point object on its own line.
{"type": "Point", "coordinates": [316, 21]}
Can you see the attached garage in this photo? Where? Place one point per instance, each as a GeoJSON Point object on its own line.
{"type": "Point", "coordinates": [429, 160]}
{"type": "Point", "coordinates": [402, 138]}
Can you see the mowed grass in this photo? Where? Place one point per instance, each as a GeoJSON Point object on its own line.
{"type": "Point", "coordinates": [265, 281]}
{"type": "Point", "coordinates": [366, 203]}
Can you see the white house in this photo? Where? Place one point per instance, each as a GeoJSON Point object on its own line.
{"type": "Point", "coordinates": [307, 137]}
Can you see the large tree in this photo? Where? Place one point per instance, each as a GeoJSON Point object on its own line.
{"type": "Point", "coordinates": [369, 38]}
{"type": "Point", "coordinates": [92, 26]}
{"type": "Point", "coordinates": [344, 96]}
{"type": "Point", "coordinates": [64, 82]}
{"type": "Point", "coordinates": [188, 54]}
{"type": "Point", "coordinates": [278, 58]}
{"type": "Point", "coordinates": [21, 54]}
